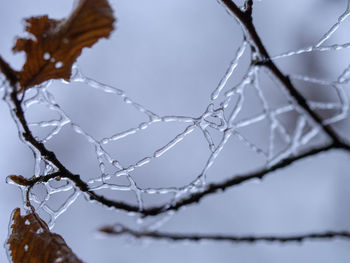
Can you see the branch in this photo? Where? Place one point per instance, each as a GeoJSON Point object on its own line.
{"type": "Point", "coordinates": [245, 18]}
{"type": "Point", "coordinates": [122, 230]}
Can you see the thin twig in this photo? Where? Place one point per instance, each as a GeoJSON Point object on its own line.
{"type": "Point", "coordinates": [122, 230]}
{"type": "Point", "coordinates": [248, 6]}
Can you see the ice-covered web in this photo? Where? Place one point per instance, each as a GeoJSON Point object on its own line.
{"type": "Point", "coordinates": [222, 110]}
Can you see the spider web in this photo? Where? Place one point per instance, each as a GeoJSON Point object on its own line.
{"type": "Point", "coordinates": [222, 119]}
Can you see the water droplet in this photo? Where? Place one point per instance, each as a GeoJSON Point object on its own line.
{"type": "Point", "coordinates": [46, 56]}
{"type": "Point", "coordinates": [143, 125]}
{"type": "Point", "coordinates": [59, 64]}
{"type": "Point", "coordinates": [105, 141]}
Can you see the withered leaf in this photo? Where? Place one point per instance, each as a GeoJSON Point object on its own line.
{"type": "Point", "coordinates": [56, 44]}
{"type": "Point", "coordinates": [19, 179]}
{"type": "Point", "coordinates": [30, 241]}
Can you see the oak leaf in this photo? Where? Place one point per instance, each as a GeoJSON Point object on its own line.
{"type": "Point", "coordinates": [30, 241]}
{"type": "Point", "coordinates": [56, 44]}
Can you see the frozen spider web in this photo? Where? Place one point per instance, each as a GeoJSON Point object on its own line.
{"type": "Point", "coordinates": [222, 117]}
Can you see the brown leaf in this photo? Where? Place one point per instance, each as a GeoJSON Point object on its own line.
{"type": "Point", "coordinates": [19, 179]}
{"type": "Point", "coordinates": [30, 241]}
{"type": "Point", "coordinates": [56, 44]}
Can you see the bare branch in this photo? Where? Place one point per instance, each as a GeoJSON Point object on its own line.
{"type": "Point", "coordinates": [248, 6]}
{"type": "Point", "coordinates": [119, 230]}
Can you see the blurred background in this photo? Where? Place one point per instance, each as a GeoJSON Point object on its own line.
{"type": "Point", "coordinates": [169, 56]}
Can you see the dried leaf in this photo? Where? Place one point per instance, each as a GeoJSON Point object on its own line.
{"type": "Point", "coordinates": [56, 44]}
{"type": "Point", "coordinates": [30, 241]}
